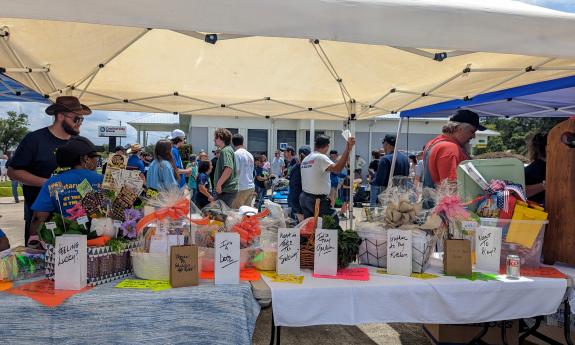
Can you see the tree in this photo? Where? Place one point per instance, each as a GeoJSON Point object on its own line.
{"type": "Point", "coordinates": [514, 133]}
{"type": "Point", "coordinates": [13, 128]}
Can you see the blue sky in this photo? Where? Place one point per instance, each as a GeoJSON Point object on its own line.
{"type": "Point", "coordinates": [560, 5]}
{"type": "Point", "coordinates": [39, 119]}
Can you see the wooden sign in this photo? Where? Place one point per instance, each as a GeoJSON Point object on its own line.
{"type": "Point", "coordinates": [288, 257]}
{"type": "Point", "coordinates": [457, 257]}
{"type": "Point", "coordinates": [399, 252]}
{"type": "Point", "coordinates": [325, 255]}
{"type": "Point", "coordinates": [184, 269]}
{"type": "Point", "coordinates": [227, 258]}
{"type": "Point", "coordinates": [488, 248]}
{"type": "Point", "coordinates": [70, 265]}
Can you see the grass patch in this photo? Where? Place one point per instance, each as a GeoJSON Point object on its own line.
{"type": "Point", "coordinates": [6, 189]}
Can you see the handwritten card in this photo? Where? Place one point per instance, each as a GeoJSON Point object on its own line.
{"type": "Point", "coordinates": [288, 257]}
{"type": "Point", "coordinates": [399, 252]}
{"type": "Point", "coordinates": [488, 248]}
{"type": "Point", "coordinates": [70, 265]}
{"type": "Point", "coordinates": [184, 266]}
{"type": "Point", "coordinates": [325, 256]}
{"type": "Point", "coordinates": [227, 258]}
{"type": "Point", "coordinates": [159, 243]}
{"type": "Point", "coordinates": [153, 285]}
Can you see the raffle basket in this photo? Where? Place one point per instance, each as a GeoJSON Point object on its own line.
{"type": "Point", "coordinates": [104, 264]}
{"type": "Point", "coordinates": [307, 250]}
{"type": "Point", "coordinates": [523, 238]}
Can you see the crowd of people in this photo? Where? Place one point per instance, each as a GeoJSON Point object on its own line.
{"type": "Point", "coordinates": [51, 162]}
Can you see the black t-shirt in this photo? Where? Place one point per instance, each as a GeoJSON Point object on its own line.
{"type": "Point", "coordinates": [534, 174]}
{"type": "Point", "coordinates": [214, 162]}
{"type": "Point", "coordinates": [36, 155]}
{"type": "Point", "coordinates": [259, 171]}
{"type": "Point", "coordinates": [295, 186]}
{"type": "Point", "coordinates": [374, 164]}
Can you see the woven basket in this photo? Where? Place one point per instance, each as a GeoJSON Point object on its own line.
{"type": "Point", "coordinates": [307, 250]}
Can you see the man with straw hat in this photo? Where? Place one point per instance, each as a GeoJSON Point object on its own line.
{"type": "Point", "coordinates": [34, 161]}
{"type": "Point", "coordinates": [135, 162]}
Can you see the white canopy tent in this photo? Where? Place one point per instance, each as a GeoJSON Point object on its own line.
{"type": "Point", "coordinates": [302, 59]}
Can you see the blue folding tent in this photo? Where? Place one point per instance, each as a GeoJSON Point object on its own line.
{"type": "Point", "coordinates": [552, 98]}
{"type": "Point", "coordinates": [13, 91]}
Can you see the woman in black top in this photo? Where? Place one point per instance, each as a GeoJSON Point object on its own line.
{"type": "Point", "coordinates": [535, 172]}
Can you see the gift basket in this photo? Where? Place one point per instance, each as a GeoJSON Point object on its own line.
{"type": "Point", "coordinates": [107, 217]}
{"type": "Point", "coordinates": [168, 225]}
{"type": "Point", "coordinates": [348, 241]}
{"type": "Point", "coordinates": [503, 204]}
{"type": "Point", "coordinates": [21, 263]}
{"type": "Point", "coordinates": [401, 211]}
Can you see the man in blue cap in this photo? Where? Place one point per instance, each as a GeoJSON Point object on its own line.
{"type": "Point", "coordinates": [381, 179]}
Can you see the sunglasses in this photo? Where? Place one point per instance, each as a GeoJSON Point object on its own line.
{"type": "Point", "coordinates": [76, 118]}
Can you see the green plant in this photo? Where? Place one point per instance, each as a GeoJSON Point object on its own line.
{"type": "Point", "coordinates": [117, 244]}
{"type": "Point", "coordinates": [348, 242]}
{"type": "Point", "coordinates": [64, 226]}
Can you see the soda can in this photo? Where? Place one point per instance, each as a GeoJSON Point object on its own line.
{"type": "Point", "coordinates": [513, 267]}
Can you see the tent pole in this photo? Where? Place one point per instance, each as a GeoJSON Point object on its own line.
{"type": "Point", "coordinates": [351, 172]}
{"type": "Point", "coordinates": [392, 171]}
{"type": "Point", "coordinates": [312, 133]}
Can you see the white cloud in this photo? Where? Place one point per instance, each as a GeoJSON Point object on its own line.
{"type": "Point", "coordinates": [37, 119]}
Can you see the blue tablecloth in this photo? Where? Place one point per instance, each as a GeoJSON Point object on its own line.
{"type": "Point", "coordinates": [205, 314]}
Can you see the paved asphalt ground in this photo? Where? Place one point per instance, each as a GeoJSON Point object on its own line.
{"type": "Point", "coordinates": [12, 222]}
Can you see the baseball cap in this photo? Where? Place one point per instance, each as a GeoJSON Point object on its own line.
{"type": "Point", "coordinates": [305, 149]}
{"type": "Point", "coordinates": [469, 117]}
{"type": "Point", "coordinates": [389, 138]}
{"type": "Point", "coordinates": [178, 133]}
{"type": "Point", "coordinates": [119, 148]}
{"type": "Point", "coordinates": [68, 154]}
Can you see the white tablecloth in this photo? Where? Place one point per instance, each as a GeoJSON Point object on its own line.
{"type": "Point", "coordinates": [387, 298]}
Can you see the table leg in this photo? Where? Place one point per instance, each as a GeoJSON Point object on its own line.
{"type": "Point", "coordinates": [279, 328]}
{"type": "Point", "coordinates": [504, 332]}
{"type": "Point", "coordinates": [531, 330]}
{"type": "Point", "coordinates": [272, 340]}
{"type": "Point", "coordinates": [567, 323]}
{"type": "Point", "coordinates": [477, 338]}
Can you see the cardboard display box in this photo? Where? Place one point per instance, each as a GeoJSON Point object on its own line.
{"type": "Point", "coordinates": [462, 334]}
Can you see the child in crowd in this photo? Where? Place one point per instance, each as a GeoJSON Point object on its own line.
{"type": "Point", "coordinates": [204, 185]}
{"type": "Point", "coordinates": [4, 243]}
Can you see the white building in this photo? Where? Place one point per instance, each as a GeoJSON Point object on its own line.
{"type": "Point", "coordinates": [263, 135]}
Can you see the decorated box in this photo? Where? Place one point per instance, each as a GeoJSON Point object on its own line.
{"type": "Point", "coordinates": [104, 264]}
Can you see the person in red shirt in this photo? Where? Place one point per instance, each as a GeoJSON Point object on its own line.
{"type": "Point", "coordinates": [443, 154]}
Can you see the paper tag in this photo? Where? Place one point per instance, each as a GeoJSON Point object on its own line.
{"type": "Point", "coordinates": [288, 278]}
{"type": "Point", "coordinates": [176, 240]}
{"type": "Point", "coordinates": [288, 257]}
{"type": "Point", "coordinates": [70, 264]}
{"type": "Point", "coordinates": [457, 257]}
{"type": "Point", "coordinates": [159, 243]}
{"type": "Point", "coordinates": [227, 258]}
{"type": "Point", "coordinates": [399, 252]}
{"type": "Point", "coordinates": [184, 270]}
{"type": "Point", "coordinates": [325, 256]}
{"type": "Point", "coordinates": [346, 134]}
{"type": "Point", "coordinates": [84, 188]}
{"type": "Point", "coordinates": [83, 221]}
{"type": "Point", "coordinates": [51, 226]}
{"type": "Point", "coordinates": [488, 248]}
{"type": "Point", "coordinates": [154, 285]}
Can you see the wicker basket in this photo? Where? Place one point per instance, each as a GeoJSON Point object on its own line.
{"type": "Point", "coordinates": [307, 250]}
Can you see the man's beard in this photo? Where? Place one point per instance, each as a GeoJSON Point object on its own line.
{"type": "Point", "coordinates": [69, 129]}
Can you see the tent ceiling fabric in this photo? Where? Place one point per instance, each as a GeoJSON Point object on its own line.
{"type": "Point", "coordinates": [501, 26]}
{"type": "Point", "coordinates": [157, 70]}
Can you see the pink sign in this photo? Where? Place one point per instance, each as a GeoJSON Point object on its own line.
{"type": "Point", "coordinates": [360, 273]}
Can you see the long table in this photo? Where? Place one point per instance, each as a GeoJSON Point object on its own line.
{"type": "Point", "coordinates": [205, 314]}
{"type": "Point", "coordinates": [387, 298]}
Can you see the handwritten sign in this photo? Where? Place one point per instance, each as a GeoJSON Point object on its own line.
{"type": "Point", "coordinates": [184, 266]}
{"type": "Point", "coordinates": [159, 243]}
{"type": "Point", "coordinates": [399, 252]}
{"type": "Point", "coordinates": [153, 285]}
{"type": "Point", "coordinates": [457, 257]}
{"type": "Point", "coordinates": [488, 248]}
{"type": "Point", "coordinates": [288, 257]}
{"type": "Point", "coordinates": [70, 265]}
{"type": "Point", "coordinates": [227, 258]}
{"type": "Point", "coordinates": [325, 256]}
